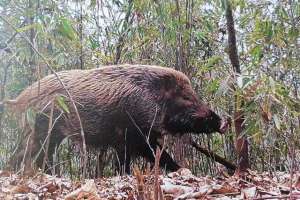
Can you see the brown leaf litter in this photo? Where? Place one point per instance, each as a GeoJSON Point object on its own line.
{"type": "Point", "coordinates": [176, 185]}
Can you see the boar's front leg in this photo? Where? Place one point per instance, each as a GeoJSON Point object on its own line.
{"type": "Point", "coordinates": [148, 151]}
{"type": "Point", "coordinates": [166, 161]}
{"type": "Point", "coordinates": [136, 144]}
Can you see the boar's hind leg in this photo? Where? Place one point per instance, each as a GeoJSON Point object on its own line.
{"type": "Point", "coordinates": [39, 143]}
{"type": "Point", "coordinates": [30, 149]}
{"type": "Point", "coordinates": [18, 156]}
{"type": "Point", "coordinates": [56, 137]}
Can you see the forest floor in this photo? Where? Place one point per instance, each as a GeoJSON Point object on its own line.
{"type": "Point", "coordinates": [177, 185]}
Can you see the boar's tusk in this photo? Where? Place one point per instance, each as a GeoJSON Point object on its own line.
{"type": "Point", "coordinates": [224, 126]}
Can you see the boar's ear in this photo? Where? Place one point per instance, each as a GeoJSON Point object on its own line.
{"type": "Point", "coordinates": [165, 85]}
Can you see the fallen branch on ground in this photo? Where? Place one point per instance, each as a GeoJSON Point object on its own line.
{"type": "Point", "coordinates": [213, 155]}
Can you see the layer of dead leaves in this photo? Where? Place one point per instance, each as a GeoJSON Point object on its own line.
{"type": "Point", "coordinates": [177, 185]}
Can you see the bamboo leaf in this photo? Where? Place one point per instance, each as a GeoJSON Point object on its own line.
{"type": "Point", "coordinates": [30, 117]}
{"type": "Point", "coordinates": [28, 27]}
{"type": "Point", "coordinates": [276, 121]}
{"type": "Point", "coordinates": [65, 29]}
{"type": "Point", "coordinates": [272, 84]}
{"type": "Point", "coordinates": [62, 104]}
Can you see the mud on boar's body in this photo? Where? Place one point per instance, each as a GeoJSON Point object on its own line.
{"type": "Point", "coordinates": [119, 106]}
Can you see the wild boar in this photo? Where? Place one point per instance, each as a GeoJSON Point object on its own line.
{"type": "Point", "coordinates": [126, 107]}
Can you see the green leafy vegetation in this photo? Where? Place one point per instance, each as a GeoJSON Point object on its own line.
{"type": "Point", "coordinates": [188, 35]}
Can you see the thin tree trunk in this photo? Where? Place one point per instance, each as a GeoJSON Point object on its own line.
{"type": "Point", "coordinates": [2, 96]}
{"type": "Point", "coordinates": [241, 140]}
{"type": "Point", "coordinates": [189, 25]}
{"type": "Point", "coordinates": [81, 58]}
{"type": "Point", "coordinates": [32, 33]}
{"type": "Point", "coordinates": [180, 64]}
{"type": "Point", "coordinates": [120, 43]}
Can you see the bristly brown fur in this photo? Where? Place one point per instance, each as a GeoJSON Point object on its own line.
{"type": "Point", "coordinates": [95, 82]}
{"type": "Point", "coordinates": [119, 106]}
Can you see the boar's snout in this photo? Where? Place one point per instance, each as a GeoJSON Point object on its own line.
{"type": "Point", "coordinates": [223, 125]}
{"type": "Point", "coordinates": [210, 122]}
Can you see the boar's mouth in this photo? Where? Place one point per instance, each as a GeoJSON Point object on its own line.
{"type": "Point", "coordinates": [213, 123]}
{"type": "Point", "coordinates": [186, 122]}
{"type": "Point", "coordinates": [179, 123]}
{"type": "Point", "coordinates": [189, 121]}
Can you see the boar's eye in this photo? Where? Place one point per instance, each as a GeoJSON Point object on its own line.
{"type": "Point", "coordinates": [177, 89]}
{"type": "Point", "coordinates": [186, 98]}
{"type": "Point", "coordinates": [184, 101]}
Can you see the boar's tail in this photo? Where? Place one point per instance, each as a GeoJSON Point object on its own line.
{"type": "Point", "coordinates": [6, 102]}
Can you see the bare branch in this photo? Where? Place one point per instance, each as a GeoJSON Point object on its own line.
{"type": "Point", "coordinates": [214, 156]}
